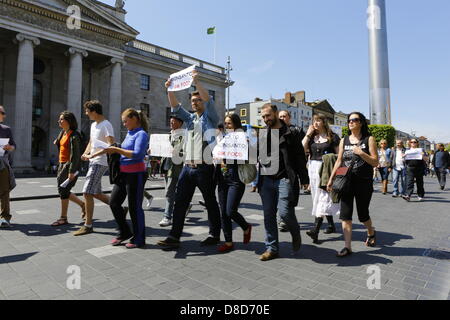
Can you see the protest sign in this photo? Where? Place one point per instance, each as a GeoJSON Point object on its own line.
{"type": "Point", "coordinates": [233, 146]}
{"type": "Point", "coordinates": [181, 80]}
{"type": "Point", "coordinates": [414, 154]}
{"type": "Point", "coordinates": [160, 145]}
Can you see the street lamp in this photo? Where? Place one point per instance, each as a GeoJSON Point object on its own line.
{"type": "Point", "coordinates": [228, 82]}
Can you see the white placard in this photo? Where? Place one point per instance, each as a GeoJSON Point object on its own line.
{"type": "Point", "coordinates": [414, 154]}
{"type": "Point", "coordinates": [67, 181]}
{"type": "Point", "coordinates": [233, 146]}
{"type": "Point", "coordinates": [98, 144]}
{"type": "Point", "coordinates": [3, 142]}
{"type": "Point", "coordinates": [160, 145]}
{"type": "Point", "coordinates": [181, 80]}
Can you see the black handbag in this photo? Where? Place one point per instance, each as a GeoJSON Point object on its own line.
{"type": "Point", "coordinates": [341, 183]}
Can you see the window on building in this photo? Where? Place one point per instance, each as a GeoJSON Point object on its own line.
{"type": "Point", "coordinates": [243, 112]}
{"type": "Point", "coordinates": [145, 108]}
{"type": "Point", "coordinates": [145, 82]}
{"type": "Point", "coordinates": [37, 99]}
{"type": "Point", "coordinates": [212, 94]}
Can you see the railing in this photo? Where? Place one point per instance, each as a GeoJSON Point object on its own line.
{"type": "Point", "coordinates": [147, 47]}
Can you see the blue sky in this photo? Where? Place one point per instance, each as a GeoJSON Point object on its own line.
{"type": "Point", "coordinates": [320, 46]}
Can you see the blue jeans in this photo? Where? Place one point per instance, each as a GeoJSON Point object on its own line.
{"type": "Point", "coordinates": [399, 175]}
{"type": "Point", "coordinates": [231, 190]}
{"type": "Point", "coordinates": [190, 178]}
{"type": "Point", "coordinates": [171, 184]}
{"type": "Point", "coordinates": [278, 195]}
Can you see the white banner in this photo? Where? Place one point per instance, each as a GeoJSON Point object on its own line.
{"type": "Point", "coordinates": [160, 145]}
{"type": "Point", "coordinates": [181, 80]}
{"type": "Point", "coordinates": [233, 146]}
{"type": "Point", "coordinates": [414, 154]}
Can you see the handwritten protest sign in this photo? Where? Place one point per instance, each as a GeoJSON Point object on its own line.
{"type": "Point", "coordinates": [233, 146]}
{"type": "Point", "coordinates": [181, 80]}
{"type": "Point", "coordinates": [160, 145]}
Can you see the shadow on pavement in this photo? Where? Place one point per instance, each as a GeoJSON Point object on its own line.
{"type": "Point", "coordinates": [16, 258]}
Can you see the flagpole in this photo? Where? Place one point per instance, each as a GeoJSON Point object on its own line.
{"type": "Point", "coordinates": [215, 45]}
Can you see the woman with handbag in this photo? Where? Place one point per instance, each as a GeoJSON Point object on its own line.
{"type": "Point", "coordinates": [320, 140]}
{"type": "Point", "coordinates": [231, 189]}
{"type": "Point", "coordinates": [354, 170]}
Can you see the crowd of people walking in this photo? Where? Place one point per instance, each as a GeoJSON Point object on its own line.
{"type": "Point", "coordinates": [338, 172]}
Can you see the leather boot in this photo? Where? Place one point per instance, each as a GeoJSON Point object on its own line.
{"type": "Point", "coordinates": [314, 233]}
{"type": "Point", "coordinates": [331, 228]}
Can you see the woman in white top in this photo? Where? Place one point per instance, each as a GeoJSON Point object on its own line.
{"type": "Point", "coordinates": [320, 140]}
{"type": "Point", "coordinates": [384, 156]}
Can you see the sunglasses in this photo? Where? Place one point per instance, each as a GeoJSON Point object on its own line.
{"type": "Point", "coordinates": [3, 113]}
{"type": "Point", "coordinates": [413, 141]}
{"type": "Point", "coordinates": [354, 120]}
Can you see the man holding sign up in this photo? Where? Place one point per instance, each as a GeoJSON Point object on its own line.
{"type": "Point", "coordinates": [196, 171]}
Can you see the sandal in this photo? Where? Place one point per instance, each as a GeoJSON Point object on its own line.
{"type": "Point", "coordinates": [371, 240]}
{"type": "Point", "coordinates": [344, 252]}
{"type": "Point", "coordinates": [60, 222]}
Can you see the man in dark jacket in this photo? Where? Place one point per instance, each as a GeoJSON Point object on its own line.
{"type": "Point", "coordinates": [282, 164]}
{"type": "Point", "coordinates": [7, 182]}
{"type": "Point", "coordinates": [441, 162]}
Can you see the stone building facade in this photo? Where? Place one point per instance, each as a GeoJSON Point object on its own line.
{"type": "Point", "coordinates": [49, 64]}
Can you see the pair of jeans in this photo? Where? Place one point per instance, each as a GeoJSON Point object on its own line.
{"type": "Point", "coordinates": [171, 185]}
{"type": "Point", "coordinates": [202, 177]}
{"type": "Point", "coordinates": [414, 173]}
{"type": "Point", "coordinates": [231, 190]}
{"type": "Point", "coordinates": [399, 176]}
{"type": "Point", "coordinates": [131, 185]}
{"type": "Point", "coordinates": [279, 194]}
{"type": "Point", "coordinates": [441, 174]}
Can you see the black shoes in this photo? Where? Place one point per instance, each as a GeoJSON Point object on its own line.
{"type": "Point", "coordinates": [330, 229]}
{"type": "Point", "coordinates": [314, 235]}
{"type": "Point", "coordinates": [169, 243]}
{"type": "Point", "coordinates": [210, 241]}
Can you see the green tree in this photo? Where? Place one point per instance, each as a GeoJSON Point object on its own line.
{"type": "Point", "coordinates": [380, 132]}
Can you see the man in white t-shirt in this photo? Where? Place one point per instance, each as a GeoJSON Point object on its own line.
{"type": "Point", "coordinates": [102, 135]}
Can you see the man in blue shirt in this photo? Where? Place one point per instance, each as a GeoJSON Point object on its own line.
{"type": "Point", "coordinates": [441, 162]}
{"type": "Point", "coordinates": [198, 170]}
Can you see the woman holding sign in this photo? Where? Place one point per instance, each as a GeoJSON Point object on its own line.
{"type": "Point", "coordinates": [415, 160]}
{"type": "Point", "coordinates": [231, 190]}
{"type": "Point", "coordinates": [133, 176]}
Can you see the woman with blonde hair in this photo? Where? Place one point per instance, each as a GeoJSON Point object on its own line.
{"type": "Point", "coordinates": [384, 156]}
{"type": "Point", "coordinates": [319, 141]}
{"type": "Point", "coordinates": [132, 179]}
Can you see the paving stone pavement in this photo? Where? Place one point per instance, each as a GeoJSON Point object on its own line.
{"type": "Point", "coordinates": [413, 254]}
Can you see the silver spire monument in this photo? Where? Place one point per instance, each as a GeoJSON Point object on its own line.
{"type": "Point", "coordinates": [380, 98]}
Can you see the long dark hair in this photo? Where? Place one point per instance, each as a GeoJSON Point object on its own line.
{"type": "Point", "coordinates": [364, 126]}
{"type": "Point", "coordinates": [71, 119]}
{"type": "Point", "coordinates": [236, 120]}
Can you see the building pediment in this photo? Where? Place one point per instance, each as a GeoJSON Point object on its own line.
{"type": "Point", "coordinates": [52, 14]}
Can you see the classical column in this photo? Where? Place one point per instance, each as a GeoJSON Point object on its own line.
{"type": "Point", "coordinates": [24, 100]}
{"type": "Point", "coordinates": [115, 96]}
{"type": "Point", "coordinates": [75, 81]}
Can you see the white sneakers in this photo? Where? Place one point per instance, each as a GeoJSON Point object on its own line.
{"type": "Point", "coordinates": [419, 199]}
{"type": "Point", "coordinates": [165, 222]}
